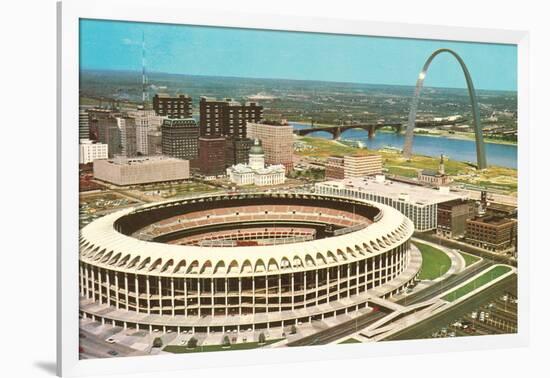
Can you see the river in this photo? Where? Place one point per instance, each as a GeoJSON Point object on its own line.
{"type": "Point", "coordinates": [502, 155]}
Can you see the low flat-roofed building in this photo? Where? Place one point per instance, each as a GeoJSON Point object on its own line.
{"type": "Point", "coordinates": [362, 165]}
{"type": "Point", "coordinates": [418, 203]}
{"type": "Point", "coordinates": [349, 166]}
{"type": "Point", "coordinates": [492, 232]}
{"type": "Point", "coordinates": [452, 216]}
{"type": "Point", "coordinates": [141, 170]}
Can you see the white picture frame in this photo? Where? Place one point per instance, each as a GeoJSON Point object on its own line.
{"type": "Point", "coordinates": [69, 13]}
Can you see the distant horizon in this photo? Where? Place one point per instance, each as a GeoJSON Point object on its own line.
{"type": "Point", "coordinates": [138, 72]}
{"type": "Point", "coordinates": [290, 55]}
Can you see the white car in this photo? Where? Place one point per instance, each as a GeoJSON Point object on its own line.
{"type": "Point", "coordinates": [110, 340]}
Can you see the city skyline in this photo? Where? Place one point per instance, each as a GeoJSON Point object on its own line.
{"type": "Point", "coordinates": [117, 45]}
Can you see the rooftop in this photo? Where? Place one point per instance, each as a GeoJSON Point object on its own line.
{"type": "Point", "coordinates": [455, 202]}
{"type": "Point", "coordinates": [492, 219]}
{"type": "Point", "coordinates": [398, 190]}
{"type": "Point", "coordinates": [158, 159]}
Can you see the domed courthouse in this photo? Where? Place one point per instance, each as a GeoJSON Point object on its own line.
{"type": "Point", "coordinates": [255, 172]}
{"type": "Point", "coordinates": [242, 261]}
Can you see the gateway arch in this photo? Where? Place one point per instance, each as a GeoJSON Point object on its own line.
{"type": "Point", "coordinates": [480, 146]}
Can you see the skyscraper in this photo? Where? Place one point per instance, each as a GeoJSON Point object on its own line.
{"type": "Point", "coordinates": [212, 155]}
{"type": "Point", "coordinates": [277, 141]}
{"type": "Point", "coordinates": [83, 125]}
{"type": "Point", "coordinates": [108, 132]}
{"type": "Point", "coordinates": [179, 106]}
{"type": "Point", "coordinates": [180, 138]}
{"type": "Point", "coordinates": [227, 117]}
{"type": "Point", "coordinates": [128, 136]}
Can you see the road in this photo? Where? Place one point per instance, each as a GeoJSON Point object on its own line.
{"type": "Point", "coordinates": [444, 285]}
{"type": "Point", "coordinates": [96, 347]}
{"type": "Point", "coordinates": [423, 329]}
{"type": "Point", "coordinates": [337, 332]}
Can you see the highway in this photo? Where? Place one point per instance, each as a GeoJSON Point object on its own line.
{"type": "Point", "coordinates": [334, 333]}
{"type": "Point", "coordinates": [444, 285]}
{"type": "Point", "coordinates": [423, 328]}
{"type": "Point", "coordinates": [337, 332]}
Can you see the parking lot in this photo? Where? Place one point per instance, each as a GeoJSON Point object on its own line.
{"type": "Point", "coordinates": [499, 316]}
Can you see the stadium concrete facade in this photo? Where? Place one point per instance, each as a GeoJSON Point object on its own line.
{"type": "Point", "coordinates": [242, 261]}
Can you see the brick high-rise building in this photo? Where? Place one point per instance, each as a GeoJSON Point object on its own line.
{"type": "Point", "coordinates": [492, 232]}
{"type": "Point", "coordinates": [212, 156]}
{"type": "Point", "coordinates": [334, 168]}
{"type": "Point", "coordinates": [180, 138]}
{"type": "Point", "coordinates": [179, 106]}
{"type": "Point", "coordinates": [452, 216]}
{"type": "Point", "coordinates": [227, 117]}
{"type": "Point", "coordinates": [277, 141]}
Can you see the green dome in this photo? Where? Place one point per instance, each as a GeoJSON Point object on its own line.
{"type": "Point", "coordinates": [256, 149]}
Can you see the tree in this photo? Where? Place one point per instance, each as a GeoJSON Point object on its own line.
{"type": "Point", "coordinates": [226, 341]}
{"type": "Point", "coordinates": [261, 338]}
{"type": "Point", "coordinates": [293, 330]}
{"type": "Point", "coordinates": [192, 343]}
{"type": "Point", "coordinates": [157, 343]}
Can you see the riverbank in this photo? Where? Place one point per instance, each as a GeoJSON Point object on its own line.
{"type": "Point", "coordinates": [458, 135]}
{"type": "Point", "coordinates": [499, 179]}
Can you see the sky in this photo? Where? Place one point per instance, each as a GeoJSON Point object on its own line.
{"type": "Point", "coordinates": [213, 51]}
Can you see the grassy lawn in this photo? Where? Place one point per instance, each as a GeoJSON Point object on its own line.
{"type": "Point", "coordinates": [485, 278]}
{"type": "Point", "coordinates": [500, 178]}
{"type": "Point", "coordinates": [469, 259]}
{"type": "Point", "coordinates": [350, 341]}
{"type": "Point", "coordinates": [217, 348]}
{"type": "Point", "coordinates": [435, 262]}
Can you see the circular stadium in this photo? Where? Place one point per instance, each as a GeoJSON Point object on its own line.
{"type": "Point", "coordinates": [237, 262]}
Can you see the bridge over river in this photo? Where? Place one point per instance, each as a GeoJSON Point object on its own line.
{"type": "Point", "coordinates": [371, 128]}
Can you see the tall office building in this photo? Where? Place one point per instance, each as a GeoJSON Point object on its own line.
{"type": "Point", "coordinates": [452, 216]}
{"type": "Point", "coordinates": [179, 106]}
{"type": "Point", "coordinates": [128, 135]}
{"type": "Point", "coordinates": [212, 155]}
{"type": "Point", "coordinates": [227, 117]}
{"type": "Point", "coordinates": [108, 132]}
{"type": "Point", "coordinates": [237, 151]}
{"type": "Point", "coordinates": [154, 142]}
{"type": "Point", "coordinates": [277, 141]}
{"type": "Point", "coordinates": [95, 115]}
{"type": "Point", "coordinates": [180, 138]}
{"type": "Point", "coordinates": [83, 125]}
{"type": "Point", "coordinates": [146, 121]}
